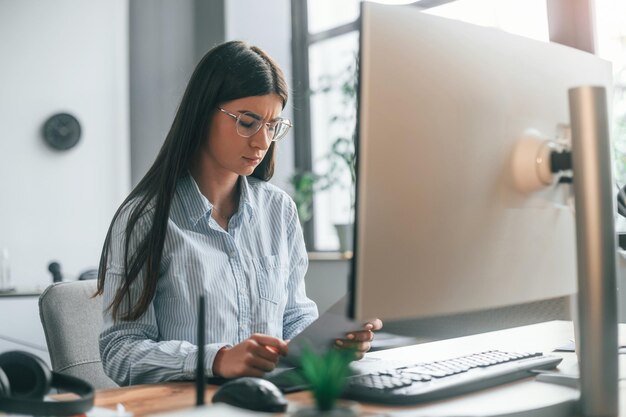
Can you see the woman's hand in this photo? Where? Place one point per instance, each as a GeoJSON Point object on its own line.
{"type": "Point", "coordinates": [360, 340]}
{"type": "Point", "coordinates": [253, 357]}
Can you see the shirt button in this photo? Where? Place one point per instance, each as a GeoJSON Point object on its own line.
{"type": "Point", "coordinates": [233, 254]}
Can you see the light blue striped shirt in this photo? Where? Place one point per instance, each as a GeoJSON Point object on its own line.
{"type": "Point", "coordinates": [251, 275]}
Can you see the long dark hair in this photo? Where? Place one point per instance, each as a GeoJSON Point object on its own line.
{"type": "Point", "coordinates": [227, 72]}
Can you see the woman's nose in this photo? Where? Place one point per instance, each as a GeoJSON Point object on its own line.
{"type": "Point", "coordinates": [261, 139]}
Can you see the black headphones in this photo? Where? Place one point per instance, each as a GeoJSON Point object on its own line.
{"type": "Point", "coordinates": [26, 378]}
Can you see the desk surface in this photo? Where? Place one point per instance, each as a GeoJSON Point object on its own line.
{"type": "Point", "coordinates": [144, 400]}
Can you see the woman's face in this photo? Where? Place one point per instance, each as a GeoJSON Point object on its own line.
{"type": "Point", "coordinates": [228, 152]}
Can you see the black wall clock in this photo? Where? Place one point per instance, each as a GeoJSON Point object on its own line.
{"type": "Point", "coordinates": [62, 131]}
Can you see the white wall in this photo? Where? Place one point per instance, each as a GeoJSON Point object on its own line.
{"type": "Point", "coordinates": [70, 56]}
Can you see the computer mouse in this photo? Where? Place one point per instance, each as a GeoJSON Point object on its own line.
{"type": "Point", "coordinates": [251, 393]}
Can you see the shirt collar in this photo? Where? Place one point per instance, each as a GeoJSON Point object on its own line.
{"type": "Point", "coordinates": [198, 206]}
{"type": "Point", "coordinates": [246, 204]}
{"type": "Point", "coordinates": [195, 203]}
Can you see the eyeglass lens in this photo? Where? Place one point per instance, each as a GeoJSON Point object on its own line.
{"type": "Point", "coordinates": [248, 124]}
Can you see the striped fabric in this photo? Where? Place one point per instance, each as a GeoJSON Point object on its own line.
{"type": "Point", "coordinates": [252, 277]}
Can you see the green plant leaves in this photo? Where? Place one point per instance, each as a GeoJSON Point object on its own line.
{"type": "Point", "coordinates": [303, 183]}
{"type": "Point", "coordinates": [326, 374]}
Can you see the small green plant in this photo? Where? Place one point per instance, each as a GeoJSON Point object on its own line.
{"type": "Point", "coordinates": [304, 186]}
{"type": "Point", "coordinates": [340, 160]}
{"type": "Point", "coordinates": [326, 374]}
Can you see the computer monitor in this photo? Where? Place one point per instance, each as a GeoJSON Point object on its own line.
{"type": "Point", "coordinates": [440, 227]}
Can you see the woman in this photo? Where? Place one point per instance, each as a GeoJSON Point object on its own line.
{"type": "Point", "coordinates": [204, 220]}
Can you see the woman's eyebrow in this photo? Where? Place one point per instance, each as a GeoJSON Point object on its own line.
{"type": "Point", "coordinates": [251, 113]}
{"type": "Point", "coordinates": [256, 116]}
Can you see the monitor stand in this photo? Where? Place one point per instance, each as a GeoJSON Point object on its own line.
{"type": "Point", "coordinates": [596, 334]}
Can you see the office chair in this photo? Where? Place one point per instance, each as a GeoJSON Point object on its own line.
{"type": "Point", "coordinates": [72, 321]}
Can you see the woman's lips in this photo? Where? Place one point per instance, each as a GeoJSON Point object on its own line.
{"type": "Point", "coordinates": [253, 160]}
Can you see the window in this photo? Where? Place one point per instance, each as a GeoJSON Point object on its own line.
{"type": "Point", "coordinates": [611, 45]}
{"type": "Point", "coordinates": [333, 118]}
{"type": "Point", "coordinates": [326, 40]}
{"type": "Point", "coordinates": [610, 22]}
{"type": "Point", "coordinates": [329, 14]}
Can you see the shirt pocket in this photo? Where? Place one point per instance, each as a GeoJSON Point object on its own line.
{"type": "Point", "coordinates": [270, 278]}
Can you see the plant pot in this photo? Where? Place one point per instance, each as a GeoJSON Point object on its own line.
{"type": "Point", "coordinates": [342, 409]}
{"type": "Point", "coordinates": [345, 233]}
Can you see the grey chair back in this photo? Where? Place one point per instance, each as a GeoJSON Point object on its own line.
{"type": "Point", "coordinates": [72, 321]}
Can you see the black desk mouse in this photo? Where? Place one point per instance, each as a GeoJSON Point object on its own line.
{"type": "Point", "coordinates": [252, 393]}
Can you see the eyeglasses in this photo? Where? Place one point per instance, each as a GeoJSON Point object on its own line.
{"type": "Point", "coordinates": [248, 123]}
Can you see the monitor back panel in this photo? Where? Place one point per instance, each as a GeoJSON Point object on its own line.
{"type": "Point", "coordinates": [440, 227]}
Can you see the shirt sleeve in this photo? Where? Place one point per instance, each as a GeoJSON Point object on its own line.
{"type": "Point", "coordinates": [131, 352]}
{"type": "Point", "coordinates": [300, 310]}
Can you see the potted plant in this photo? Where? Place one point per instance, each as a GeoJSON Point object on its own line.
{"type": "Point", "coordinates": [342, 157]}
{"type": "Point", "coordinates": [326, 375]}
{"type": "Point", "coordinates": [304, 186]}
{"type": "Point", "coordinates": [339, 163]}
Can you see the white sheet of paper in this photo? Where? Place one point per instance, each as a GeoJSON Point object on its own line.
{"type": "Point", "coordinates": [322, 333]}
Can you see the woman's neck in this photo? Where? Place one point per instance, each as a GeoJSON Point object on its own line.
{"type": "Point", "coordinates": [221, 190]}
